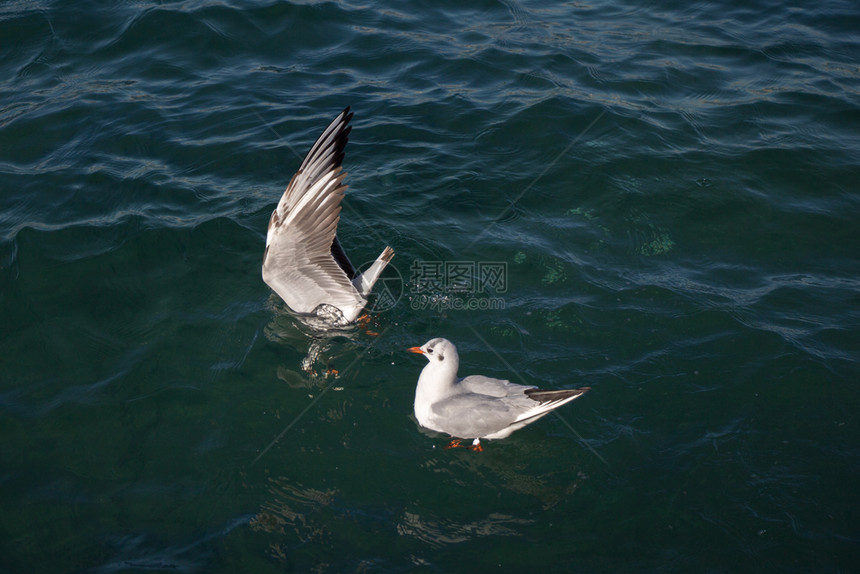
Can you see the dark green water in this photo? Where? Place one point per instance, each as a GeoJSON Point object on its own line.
{"type": "Point", "coordinates": [672, 189]}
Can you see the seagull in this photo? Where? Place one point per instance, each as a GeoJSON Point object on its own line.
{"type": "Point", "coordinates": [304, 262]}
{"type": "Point", "coordinates": [476, 406]}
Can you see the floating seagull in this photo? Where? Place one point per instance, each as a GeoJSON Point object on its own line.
{"type": "Point", "coordinates": [304, 262]}
{"type": "Point", "coordinates": [476, 406]}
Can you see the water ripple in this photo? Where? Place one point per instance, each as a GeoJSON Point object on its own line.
{"type": "Point", "coordinates": [671, 187]}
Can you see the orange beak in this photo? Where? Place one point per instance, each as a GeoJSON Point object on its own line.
{"type": "Point", "coordinates": [415, 350]}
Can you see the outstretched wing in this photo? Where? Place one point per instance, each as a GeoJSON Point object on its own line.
{"type": "Point", "coordinates": [298, 263]}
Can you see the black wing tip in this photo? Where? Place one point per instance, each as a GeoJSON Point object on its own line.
{"type": "Point", "coordinates": [343, 120]}
{"type": "Point", "coordinates": [543, 396]}
{"type": "Point", "coordinates": [387, 254]}
{"type": "Point", "coordinates": [343, 136]}
{"type": "Point", "coordinates": [331, 143]}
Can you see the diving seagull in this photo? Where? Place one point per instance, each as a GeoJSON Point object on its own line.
{"type": "Point", "coordinates": [304, 262]}
{"type": "Point", "coordinates": [476, 406]}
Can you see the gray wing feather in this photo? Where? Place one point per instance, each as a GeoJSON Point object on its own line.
{"type": "Point", "coordinates": [493, 408]}
{"type": "Point", "coordinates": [473, 416]}
{"type": "Point", "coordinates": [491, 387]}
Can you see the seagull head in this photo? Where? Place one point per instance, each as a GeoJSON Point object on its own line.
{"type": "Point", "coordinates": [437, 350]}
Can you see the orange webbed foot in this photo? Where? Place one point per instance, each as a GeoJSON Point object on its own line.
{"type": "Point", "coordinates": [475, 446]}
{"type": "Point", "coordinates": [363, 323]}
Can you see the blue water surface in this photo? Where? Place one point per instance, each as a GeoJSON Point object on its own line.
{"type": "Point", "coordinates": [666, 192]}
